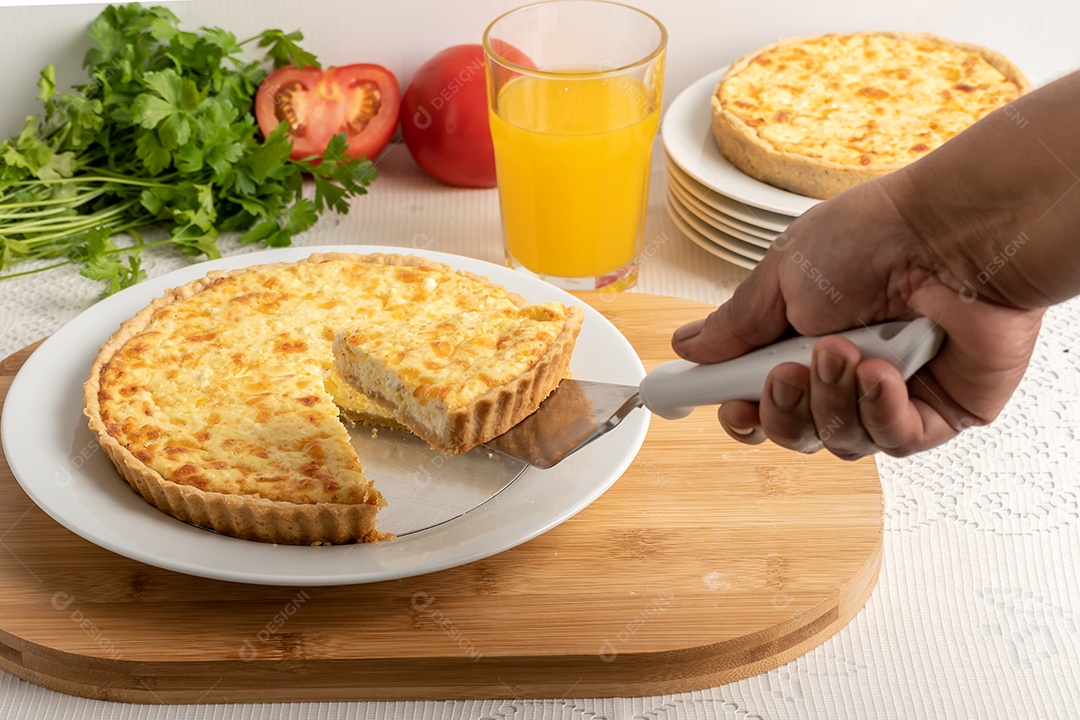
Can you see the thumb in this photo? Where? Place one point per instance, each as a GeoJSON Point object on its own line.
{"type": "Point", "coordinates": [756, 315]}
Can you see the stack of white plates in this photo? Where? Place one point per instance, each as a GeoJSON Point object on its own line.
{"type": "Point", "coordinates": [729, 214]}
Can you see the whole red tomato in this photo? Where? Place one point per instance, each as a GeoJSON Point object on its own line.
{"type": "Point", "coordinates": [444, 118]}
{"type": "Point", "coordinates": [360, 100]}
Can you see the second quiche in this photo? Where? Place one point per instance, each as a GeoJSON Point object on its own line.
{"type": "Point", "coordinates": [819, 115]}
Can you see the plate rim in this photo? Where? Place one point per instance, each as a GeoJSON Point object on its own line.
{"type": "Point", "coordinates": [737, 246]}
{"type": "Point", "coordinates": [709, 247]}
{"type": "Point", "coordinates": [724, 204]}
{"type": "Point", "coordinates": [680, 129]}
{"type": "Point", "coordinates": [681, 194]}
{"type": "Point", "coordinates": [462, 540]}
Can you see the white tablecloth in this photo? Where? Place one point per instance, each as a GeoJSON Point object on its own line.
{"type": "Point", "coordinates": [977, 610]}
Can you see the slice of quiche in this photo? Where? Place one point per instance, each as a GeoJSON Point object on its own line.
{"type": "Point", "coordinates": [465, 379]}
{"type": "Point", "coordinates": [219, 402]}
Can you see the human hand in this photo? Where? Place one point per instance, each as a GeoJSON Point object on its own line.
{"type": "Point", "coordinates": [855, 260]}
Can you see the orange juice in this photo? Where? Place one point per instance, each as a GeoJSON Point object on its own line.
{"type": "Point", "coordinates": [572, 160]}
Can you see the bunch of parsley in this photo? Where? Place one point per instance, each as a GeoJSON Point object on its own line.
{"type": "Point", "coordinates": [163, 133]}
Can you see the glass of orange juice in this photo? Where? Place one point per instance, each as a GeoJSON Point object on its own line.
{"type": "Point", "coordinates": [574, 90]}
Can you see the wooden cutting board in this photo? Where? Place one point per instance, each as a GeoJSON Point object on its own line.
{"type": "Point", "coordinates": [707, 562]}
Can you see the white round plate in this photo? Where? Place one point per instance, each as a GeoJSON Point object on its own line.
{"type": "Point", "coordinates": [751, 252]}
{"type": "Point", "coordinates": [59, 464]}
{"type": "Point", "coordinates": [740, 212]}
{"type": "Point", "coordinates": [688, 140]}
{"type": "Point", "coordinates": [710, 217]}
{"type": "Point", "coordinates": [710, 247]}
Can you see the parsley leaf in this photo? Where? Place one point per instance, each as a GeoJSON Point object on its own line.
{"type": "Point", "coordinates": [282, 48]}
{"type": "Point", "coordinates": [101, 262]}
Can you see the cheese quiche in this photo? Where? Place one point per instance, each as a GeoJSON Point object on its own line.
{"type": "Point", "coordinates": [219, 402]}
{"type": "Point", "coordinates": [819, 115]}
{"type": "Point", "coordinates": [464, 379]}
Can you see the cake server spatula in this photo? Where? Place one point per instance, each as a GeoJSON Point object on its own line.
{"type": "Point", "coordinates": [581, 411]}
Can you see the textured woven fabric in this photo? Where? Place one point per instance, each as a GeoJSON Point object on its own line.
{"type": "Point", "coordinates": [977, 610]}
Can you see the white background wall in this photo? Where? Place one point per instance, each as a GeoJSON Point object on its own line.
{"type": "Point", "coordinates": [1041, 36]}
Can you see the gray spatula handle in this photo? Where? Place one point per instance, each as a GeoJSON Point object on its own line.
{"type": "Point", "coordinates": [672, 390]}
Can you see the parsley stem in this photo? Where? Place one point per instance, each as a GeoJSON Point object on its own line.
{"type": "Point", "coordinates": [33, 213]}
{"type": "Point", "coordinates": [66, 203]}
{"type": "Point", "coordinates": [34, 271]}
{"type": "Point", "coordinates": [74, 240]}
{"type": "Point", "coordinates": [90, 178]}
{"type": "Point", "coordinates": [68, 233]}
{"type": "Point", "coordinates": [73, 222]}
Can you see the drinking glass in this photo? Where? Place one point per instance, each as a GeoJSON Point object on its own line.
{"type": "Point", "coordinates": [574, 92]}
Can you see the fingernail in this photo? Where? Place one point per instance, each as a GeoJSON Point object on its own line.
{"type": "Point", "coordinates": [785, 396]}
{"type": "Point", "coordinates": [741, 431]}
{"type": "Point", "coordinates": [688, 331]}
{"type": "Point", "coordinates": [870, 389]}
{"type": "Point", "coordinates": [829, 367]}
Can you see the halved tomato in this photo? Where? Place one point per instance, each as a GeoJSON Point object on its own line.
{"type": "Point", "coordinates": [361, 100]}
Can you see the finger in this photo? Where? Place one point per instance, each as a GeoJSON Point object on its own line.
{"type": "Point", "coordinates": [741, 421]}
{"type": "Point", "coordinates": [834, 399]}
{"type": "Point", "coordinates": [897, 423]}
{"type": "Point", "coordinates": [753, 317]}
{"type": "Point", "coordinates": [785, 409]}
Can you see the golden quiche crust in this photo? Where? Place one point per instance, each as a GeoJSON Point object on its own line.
{"type": "Point", "coordinates": [819, 115]}
{"type": "Point", "coordinates": [219, 402]}
{"type": "Point", "coordinates": [464, 379]}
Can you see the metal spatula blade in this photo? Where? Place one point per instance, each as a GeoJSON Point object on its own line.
{"type": "Point", "coordinates": [579, 411]}
{"type": "Point", "coordinates": [575, 414]}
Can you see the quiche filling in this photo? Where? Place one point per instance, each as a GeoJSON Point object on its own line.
{"type": "Point", "coordinates": [220, 402]}
{"type": "Point", "coordinates": [435, 376]}
{"type": "Point", "coordinates": [869, 101]}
